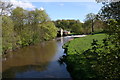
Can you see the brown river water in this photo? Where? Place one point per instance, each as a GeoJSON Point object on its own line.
{"type": "Point", "coordinates": [36, 61]}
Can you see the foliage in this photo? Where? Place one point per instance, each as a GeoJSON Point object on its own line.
{"type": "Point", "coordinates": [110, 11]}
{"type": "Point", "coordinates": [87, 27]}
{"type": "Point", "coordinates": [74, 26]}
{"type": "Point", "coordinates": [107, 59]}
{"type": "Point", "coordinates": [99, 26]}
{"type": "Point", "coordinates": [91, 18]}
{"type": "Point", "coordinates": [9, 37]}
{"type": "Point", "coordinates": [77, 28]}
{"type": "Point", "coordinates": [99, 61]}
{"type": "Point", "coordinates": [110, 14]}
{"type": "Point", "coordinates": [50, 30]}
{"type": "Point", "coordinates": [24, 27]}
{"type": "Point", "coordinates": [82, 44]}
{"type": "Point", "coordinates": [113, 30]}
{"type": "Point", "coordinates": [91, 25]}
{"type": "Point", "coordinates": [77, 63]}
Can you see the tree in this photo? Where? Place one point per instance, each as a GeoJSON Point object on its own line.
{"type": "Point", "coordinates": [91, 17]}
{"type": "Point", "coordinates": [77, 27]}
{"type": "Point", "coordinates": [24, 27]}
{"type": "Point", "coordinates": [5, 8]}
{"type": "Point", "coordinates": [17, 17]}
{"type": "Point", "coordinates": [47, 30]}
{"type": "Point", "coordinates": [87, 27]}
{"type": "Point", "coordinates": [71, 25]}
{"type": "Point", "coordinates": [64, 24]}
{"type": "Point", "coordinates": [109, 51]}
{"type": "Point", "coordinates": [9, 37]}
{"type": "Point", "coordinates": [110, 11]}
{"type": "Point", "coordinates": [110, 14]}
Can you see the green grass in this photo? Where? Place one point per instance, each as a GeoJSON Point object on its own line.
{"type": "Point", "coordinates": [84, 63]}
{"type": "Point", "coordinates": [83, 43]}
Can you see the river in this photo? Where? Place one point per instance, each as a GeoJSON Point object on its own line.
{"type": "Point", "coordinates": [36, 61]}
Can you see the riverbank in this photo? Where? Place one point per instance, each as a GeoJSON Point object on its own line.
{"type": "Point", "coordinates": [40, 61]}
{"type": "Point", "coordinates": [83, 43]}
{"type": "Point", "coordinates": [17, 36]}
{"type": "Point", "coordinates": [77, 64]}
{"type": "Point", "coordinates": [22, 47]}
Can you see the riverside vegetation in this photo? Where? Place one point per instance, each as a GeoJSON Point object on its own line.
{"type": "Point", "coordinates": [24, 27]}
{"type": "Point", "coordinates": [97, 56]}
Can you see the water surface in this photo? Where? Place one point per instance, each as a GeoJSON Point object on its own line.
{"type": "Point", "coordinates": [36, 61]}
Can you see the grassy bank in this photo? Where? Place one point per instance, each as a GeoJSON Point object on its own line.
{"type": "Point", "coordinates": [92, 57]}
{"type": "Point", "coordinates": [79, 66]}
{"type": "Point", "coordinates": [81, 44]}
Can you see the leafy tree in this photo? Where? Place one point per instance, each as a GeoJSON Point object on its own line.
{"type": "Point", "coordinates": [99, 26]}
{"type": "Point", "coordinates": [87, 27]}
{"type": "Point", "coordinates": [107, 54]}
{"type": "Point", "coordinates": [105, 58]}
{"type": "Point", "coordinates": [77, 28]}
{"type": "Point", "coordinates": [25, 27]}
{"type": "Point", "coordinates": [38, 16]}
{"type": "Point", "coordinates": [64, 24]}
{"type": "Point", "coordinates": [101, 61]}
{"type": "Point", "coordinates": [47, 30]}
{"type": "Point", "coordinates": [72, 25]}
{"type": "Point", "coordinates": [18, 16]}
{"type": "Point", "coordinates": [91, 17]}
{"type": "Point", "coordinates": [9, 37]}
{"type": "Point", "coordinates": [110, 13]}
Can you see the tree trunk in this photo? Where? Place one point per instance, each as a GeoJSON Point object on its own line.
{"type": "Point", "coordinates": [92, 27]}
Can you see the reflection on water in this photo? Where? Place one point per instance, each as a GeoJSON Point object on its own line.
{"type": "Point", "coordinates": [38, 61]}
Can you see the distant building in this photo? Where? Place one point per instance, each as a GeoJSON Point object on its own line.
{"type": "Point", "coordinates": [60, 32]}
{"type": "Point", "coordinates": [65, 32]}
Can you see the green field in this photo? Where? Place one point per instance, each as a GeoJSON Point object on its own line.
{"type": "Point", "coordinates": [81, 44]}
